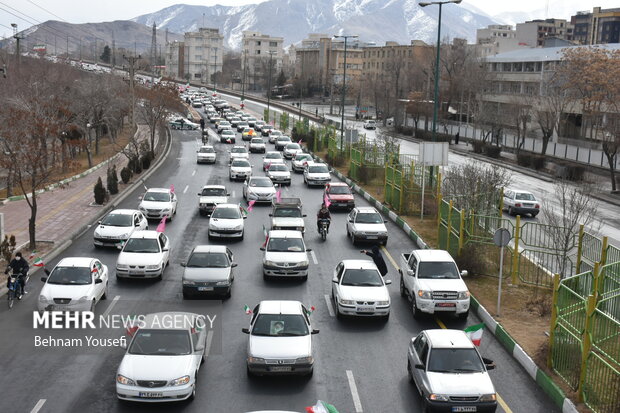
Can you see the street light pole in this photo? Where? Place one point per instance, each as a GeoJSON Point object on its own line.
{"type": "Point", "coordinates": [271, 52]}
{"type": "Point", "coordinates": [215, 73]}
{"type": "Point", "coordinates": [344, 87]}
{"type": "Point", "coordinates": [245, 68]}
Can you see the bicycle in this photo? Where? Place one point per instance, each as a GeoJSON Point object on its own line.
{"type": "Point", "coordinates": [14, 286]}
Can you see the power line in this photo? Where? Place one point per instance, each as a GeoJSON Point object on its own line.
{"type": "Point", "coordinates": [47, 11]}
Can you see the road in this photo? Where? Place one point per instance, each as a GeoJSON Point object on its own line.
{"type": "Point", "coordinates": [353, 357]}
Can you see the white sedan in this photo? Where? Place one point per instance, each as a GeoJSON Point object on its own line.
{"type": "Point", "coordinates": [316, 174]}
{"type": "Point", "coordinates": [226, 222]}
{"type": "Point", "coordinates": [239, 169]}
{"type": "Point", "coordinates": [206, 154]}
{"type": "Point", "coordinates": [291, 150]}
{"type": "Point", "coordinates": [279, 174]}
{"type": "Point", "coordinates": [163, 358]}
{"type": "Point", "coordinates": [117, 226]}
{"type": "Point", "coordinates": [358, 289]}
{"type": "Point", "coordinates": [257, 145]}
{"type": "Point", "coordinates": [272, 157]}
{"type": "Point", "coordinates": [366, 224]}
{"type": "Point", "coordinates": [146, 254]}
{"type": "Point", "coordinates": [157, 203]}
{"type": "Point", "coordinates": [239, 152]}
{"type": "Point", "coordinates": [75, 284]}
{"type": "Point", "coordinates": [258, 189]}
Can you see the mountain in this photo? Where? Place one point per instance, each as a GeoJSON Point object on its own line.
{"type": "Point", "coordinates": [373, 20]}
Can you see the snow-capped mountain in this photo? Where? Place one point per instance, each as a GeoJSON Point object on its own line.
{"type": "Point", "coordinates": [373, 20]}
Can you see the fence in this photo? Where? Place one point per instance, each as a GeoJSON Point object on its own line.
{"type": "Point", "coordinates": [404, 180]}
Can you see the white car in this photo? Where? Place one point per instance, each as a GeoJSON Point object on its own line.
{"type": "Point", "coordinates": [239, 152]}
{"type": "Point", "coordinates": [521, 202]}
{"type": "Point", "coordinates": [316, 174]}
{"type": "Point", "coordinates": [257, 145]}
{"type": "Point", "coordinates": [258, 189]}
{"type": "Point", "coordinates": [210, 196]}
{"type": "Point", "coordinates": [206, 154]}
{"type": "Point", "coordinates": [281, 142]}
{"type": "Point", "coordinates": [300, 161]}
{"type": "Point", "coordinates": [366, 224]}
{"type": "Point", "coordinates": [370, 124]}
{"type": "Point", "coordinates": [273, 135]}
{"type": "Point", "coordinates": [280, 339]}
{"type": "Point", "coordinates": [222, 125]}
{"type": "Point", "coordinates": [228, 136]}
{"type": "Point", "coordinates": [117, 226]}
{"type": "Point", "coordinates": [163, 358]}
{"type": "Point", "coordinates": [157, 203]}
{"type": "Point", "coordinates": [279, 174]}
{"type": "Point", "coordinates": [291, 150]}
{"type": "Point", "coordinates": [285, 255]}
{"type": "Point", "coordinates": [358, 289]}
{"type": "Point", "coordinates": [226, 222]}
{"type": "Point", "coordinates": [272, 157]}
{"type": "Point", "coordinates": [75, 284]}
{"type": "Point", "coordinates": [239, 169]}
{"type": "Point", "coordinates": [146, 254]}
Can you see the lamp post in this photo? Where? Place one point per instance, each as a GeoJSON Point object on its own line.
{"type": "Point", "coordinates": [245, 67]}
{"type": "Point", "coordinates": [344, 86]}
{"type": "Point", "coordinates": [215, 74]}
{"type": "Point", "coordinates": [271, 52]}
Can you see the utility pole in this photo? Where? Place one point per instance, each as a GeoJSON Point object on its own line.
{"type": "Point", "coordinates": [344, 87]}
{"type": "Point", "coordinates": [215, 74]}
{"type": "Point", "coordinates": [67, 47]}
{"type": "Point", "coordinates": [153, 53]}
{"type": "Point", "coordinates": [332, 73]}
{"type": "Point", "coordinates": [132, 86]}
{"type": "Point", "coordinates": [301, 87]}
{"type": "Point", "coordinates": [243, 76]}
{"type": "Point", "coordinates": [17, 38]}
{"type": "Point", "coordinates": [271, 52]}
{"type": "Point", "coordinates": [113, 51]}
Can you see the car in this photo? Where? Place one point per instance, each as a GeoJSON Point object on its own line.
{"type": "Point", "coordinates": [257, 145]}
{"type": "Point", "coordinates": [370, 124]}
{"type": "Point", "coordinates": [117, 226]}
{"type": "Point", "coordinates": [449, 373]}
{"type": "Point", "coordinates": [285, 255]}
{"type": "Point", "coordinates": [234, 121]}
{"type": "Point", "coordinates": [229, 115]}
{"type": "Point", "coordinates": [223, 124]}
{"type": "Point", "coordinates": [281, 142]}
{"type": "Point", "coordinates": [273, 135]}
{"type": "Point", "coordinates": [248, 133]}
{"type": "Point", "coordinates": [163, 358]}
{"type": "Point", "coordinates": [245, 117]}
{"type": "Point", "coordinates": [258, 125]}
{"type": "Point", "coordinates": [146, 254]}
{"type": "Point", "coordinates": [220, 104]}
{"type": "Point", "coordinates": [316, 174]}
{"type": "Point", "coordinates": [272, 157]}
{"type": "Point", "coordinates": [239, 169]}
{"type": "Point", "coordinates": [197, 104]}
{"type": "Point", "coordinates": [242, 125]}
{"type": "Point", "coordinates": [339, 195]}
{"type": "Point", "coordinates": [226, 222]}
{"type": "Point", "coordinates": [251, 121]}
{"type": "Point", "coordinates": [208, 270]}
{"type": "Point", "coordinates": [300, 160]}
{"type": "Point", "coordinates": [228, 136]}
{"type": "Point", "coordinates": [215, 118]}
{"type": "Point", "coordinates": [286, 213]}
{"type": "Point", "coordinates": [358, 289]}
{"type": "Point", "coordinates": [291, 149]}
{"type": "Point", "coordinates": [182, 123]}
{"type": "Point", "coordinates": [206, 154]}
{"type": "Point", "coordinates": [520, 202]}
{"type": "Point", "coordinates": [266, 130]}
{"type": "Point", "coordinates": [366, 224]}
{"type": "Point", "coordinates": [280, 341]}
{"type": "Point", "coordinates": [258, 189]}
{"type": "Point", "coordinates": [157, 203]}
{"type": "Point", "coordinates": [75, 284]}
{"type": "Point", "coordinates": [238, 152]}
{"type": "Point", "coordinates": [210, 196]}
{"type": "Point", "coordinates": [279, 174]}
{"type": "Point", "coordinates": [211, 114]}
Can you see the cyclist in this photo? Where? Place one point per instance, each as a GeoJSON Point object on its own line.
{"type": "Point", "coordinates": [20, 268]}
{"type": "Point", "coordinates": [321, 215]}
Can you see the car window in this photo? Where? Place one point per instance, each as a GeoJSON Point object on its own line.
{"type": "Point", "coordinates": [207, 150]}
{"type": "Point", "coordinates": [278, 167]}
{"type": "Point", "coordinates": [239, 150]}
{"type": "Point", "coordinates": [161, 342]}
{"type": "Point", "coordinates": [522, 196]}
{"type": "Point", "coordinates": [208, 260]}
{"type": "Point", "coordinates": [362, 277]}
{"type": "Point", "coordinates": [339, 190]}
{"type": "Point", "coordinates": [413, 263]}
{"type": "Point", "coordinates": [240, 163]}
{"type": "Point", "coordinates": [318, 169]}
{"type": "Point", "coordinates": [226, 213]}
{"type": "Point", "coordinates": [141, 245]}
{"type": "Point", "coordinates": [136, 219]}
{"type": "Point", "coordinates": [368, 218]}
{"type": "Point", "coordinates": [276, 155]}
{"type": "Point", "coordinates": [117, 220]}
{"type": "Point", "coordinates": [280, 325]}
{"type": "Point", "coordinates": [70, 276]}
{"type": "Point", "coordinates": [287, 212]}
{"type": "Point", "coordinates": [157, 196]}
{"type": "Point", "coordinates": [285, 245]}
{"type": "Point", "coordinates": [455, 360]}
{"type": "Point", "coordinates": [339, 269]}
{"type": "Point", "coordinates": [423, 352]}
{"type": "Point", "coordinates": [418, 344]}
{"type": "Point", "coordinates": [261, 182]}
{"type": "Point", "coordinates": [438, 270]}
{"type": "Point", "coordinates": [213, 192]}
{"type": "Point", "coordinates": [254, 313]}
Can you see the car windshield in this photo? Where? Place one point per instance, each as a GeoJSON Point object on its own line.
{"type": "Point", "coordinates": [246, 130]}
{"type": "Point", "coordinates": [523, 196]}
{"type": "Point", "coordinates": [283, 139]}
{"type": "Point", "coordinates": [276, 133]}
{"type": "Point", "coordinates": [279, 325]}
{"type": "Point", "coordinates": [239, 150]}
{"type": "Point", "coordinates": [318, 169]}
{"type": "Point", "coordinates": [279, 167]}
{"type": "Point", "coordinates": [340, 190]}
{"type": "Point", "coordinates": [455, 360]}
{"type": "Point", "coordinates": [235, 119]}
{"type": "Point", "coordinates": [256, 140]}
{"type": "Point", "coordinates": [285, 245]}
{"type": "Point", "coordinates": [146, 245]}
{"type": "Point", "coordinates": [302, 157]}
{"type": "Point", "coordinates": [213, 192]}
{"type": "Point", "coordinates": [368, 218]}
{"type": "Point", "coordinates": [292, 146]}
{"type": "Point", "coordinates": [362, 278]}
{"type": "Point", "coordinates": [207, 150]}
{"type": "Point", "coordinates": [241, 163]}
{"type": "Point", "coordinates": [287, 213]}
{"type": "Point", "coordinates": [226, 213]}
{"type": "Point", "coordinates": [157, 196]}
{"type": "Point", "coordinates": [261, 182]}
{"type": "Point", "coordinates": [437, 270]}
{"type": "Point", "coordinates": [70, 276]}
{"type": "Point", "coordinates": [276, 155]}
{"type": "Point", "coordinates": [228, 132]}
{"type": "Point", "coordinates": [208, 259]}
{"type": "Point", "coordinates": [161, 343]}
{"type": "Point", "coordinates": [118, 220]}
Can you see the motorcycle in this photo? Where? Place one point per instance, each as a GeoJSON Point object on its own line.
{"type": "Point", "coordinates": [323, 225]}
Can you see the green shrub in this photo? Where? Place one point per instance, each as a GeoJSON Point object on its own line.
{"type": "Point", "coordinates": [575, 172]}
{"type": "Point", "coordinates": [472, 259]}
{"type": "Point", "coordinates": [492, 151]}
{"type": "Point", "coordinates": [524, 159]}
{"type": "Point", "coordinates": [478, 146]}
{"type": "Point", "coordinates": [112, 181]}
{"type": "Point", "coordinates": [428, 136]}
{"type": "Point", "coordinates": [538, 162]}
{"type": "Point", "coordinates": [125, 174]}
{"type": "Point", "coordinates": [100, 192]}
{"type": "Point", "coordinates": [145, 160]}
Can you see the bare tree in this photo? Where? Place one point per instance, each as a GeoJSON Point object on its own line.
{"type": "Point", "coordinates": [520, 113]}
{"type": "Point", "coordinates": [155, 104]}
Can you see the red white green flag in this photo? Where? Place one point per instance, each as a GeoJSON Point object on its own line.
{"type": "Point", "coordinates": [475, 333]}
{"type": "Point", "coordinates": [321, 407]}
{"type": "Point", "coordinates": [38, 262]}
{"type": "Point", "coordinates": [247, 309]}
{"type": "Point", "coordinates": [266, 234]}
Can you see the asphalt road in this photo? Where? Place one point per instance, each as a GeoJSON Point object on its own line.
{"type": "Point", "coordinates": [360, 357]}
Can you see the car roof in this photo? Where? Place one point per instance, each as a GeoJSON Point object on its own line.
{"type": "Point", "coordinates": [238, 146]}
{"type": "Point", "coordinates": [273, 152]}
{"type": "Point", "coordinates": [446, 338]}
{"type": "Point", "coordinates": [316, 164]}
{"type": "Point", "coordinates": [147, 234]}
{"type": "Point", "coordinates": [169, 320]}
{"type": "Point", "coordinates": [75, 262]}
{"type": "Point", "coordinates": [337, 184]}
{"type": "Point", "coordinates": [227, 206]}
{"type": "Point", "coordinates": [123, 211]}
{"type": "Point", "coordinates": [214, 186]}
{"type": "Point", "coordinates": [207, 146]}
{"type": "Point", "coordinates": [281, 233]}
{"type": "Point", "coordinates": [210, 248]}
{"type": "Point", "coordinates": [366, 210]}
{"type": "Point", "coordinates": [361, 264]}
{"type": "Point", "coordinates": [258, 138]}
{"type": "Point", "coordinates": [167, 190]}
{"type": "Point", "coordinates": [434, 255]}
{"type": "Point", "coordinates": [519, 190]}
{"type": "Point", "coordinates": [259, 178]}
{"type": "Point", "coordinates": [280, 307]}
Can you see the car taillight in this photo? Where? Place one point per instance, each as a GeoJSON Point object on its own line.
{"type": "Point", "coordinates": [537, 206]}
{"type": "Point", "coordinates": [517, 205]}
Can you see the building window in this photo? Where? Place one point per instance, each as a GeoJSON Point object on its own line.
{"type": "Point", "coordinates": [273, 44]}
{"type": "Point", "coordinates": [258, 52]}
{"type": "Point", "coordinates": [198, 57]}
{"type": "Point", "coordinates": [258, 42]}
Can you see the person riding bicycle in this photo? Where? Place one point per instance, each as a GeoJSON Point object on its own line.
{"type": "Point", "coordinates": [321, 215]}
{"type": "Point", "coordinates": [20, 268]}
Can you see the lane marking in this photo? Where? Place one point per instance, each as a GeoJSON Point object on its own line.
{"type": "Point", "coordinates": [313, 257]}
{"type": "Point", "coordinates": [387, 254]}
{"type": "Point", "coordinates": [186, 188]}
{"type": "Point", "coordinates": [233, 194]}
{"type": "Point", "coordinates": [209, 341]}
{"type": "Point", "coordinates": [354, 393]}
{"type": "Point", "coordinates": [38, 406]}
{"type": "Point", "coordinates": [440, 323]}
{"type": "Point", "coordinates": [194, 173]}
{"type": "Point", "coordinates": [112, 304]}
{"type": "Point", "coordinates": [330, 308]}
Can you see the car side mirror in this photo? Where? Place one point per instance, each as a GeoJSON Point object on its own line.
{"type": "Point", "coordinates": [385, 221]}
{"type": "Point", "coordinates": [490, 366]}
{"type": "Point", "coordinates": [47, 271]}
{"type": "Point", "coordinates": [199, 194]}
{"type": "Point", "coordinates": [44, 279]}
{"type": "Point", "coordinates": [183, 264]}
{"type": "Point", "coordinates": [388, 282]}
{"type": "Point", "coordinates": [98, 280]}
{"type": "Point", "coordinates": [270, 215]}
{"type": "Point", "coordinates": [98, 222]}
{"type": "Point", "coordinates": [227, 193]}
{"type": "Point", "coordinates": [245, 217]}
{"type": "Point", "coordinates": [233, 265]}
{"type": "Point", "coordinates": [335, 280]}
{"type": "Point", "coordinates": [119, 247]}
{"type": "Point", "coordinates": [351, 221]}
{"type": "Point", "coordinates": [308, 249]}
{"type": "Point", "coordinates": [464, 273]}
{"type": "Point", "coordinates": [245, 330]}
{"type": "Point", "coordinates": [315, 331]}
{"type": "Point", "coordinates": [262, 248]}
{"type": "Point", "coordinates": [199, 348]}
{"type": "Point", "coordinates": [137, 224]}
{"type": "Point", "coordinates": [304, 215]}
{"type": "Point", "coordinates": [410, 272]}
{"type": "Point", "coordinates": [166, 249]}
{"type": "Point", "coordinates": [420, 366]}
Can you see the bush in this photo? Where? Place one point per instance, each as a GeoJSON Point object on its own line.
{"type": "Point", "coordinates": [7, 247]}
{"type": "Point", "coordinates": [125, 174]}
{"type": "Point", "coordinates": [524, 159]}
{"type": "Point", "coordinates": [145, 160]}
{"type": "Point", "coordinates": [100, 192]}
{"type": "Point", "coordinates": [472, 259]}
{"type": "Point", "coordinates": [405, 130]}
{"type": "Point", "coordinates": [538, 162]}
{"type": "Point", "coordinates": [569, 171]}
{"type": "Point", "coordinates": [428, 136]}
{"type": "Point", "coordinates": [112, 181]}
{"type": "Point", "coordinates": [478, 146]}
{"type": "Point", "coordinates": [492, 151]}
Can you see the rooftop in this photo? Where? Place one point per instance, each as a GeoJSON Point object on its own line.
{"type": "Point", "coordinates": [545, 54]}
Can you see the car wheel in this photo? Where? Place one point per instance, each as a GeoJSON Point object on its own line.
{"type": "Point", "coordinates": [339, 315]}
{"type": "Point", "coordinates": [228, 294]}
{"type": "Point", "coordinates": [186, 296]}
{"type": "Point", "coordinates": [97, 246]}
{"type": "Point", "coordinates": [248, 372]}
{"type": "Point", "coordinates": [119, 279]}
{"type": "Point", "coordinates": [266, 277]}
{"type": "Point", "coordinates": [410, 372]}
{"type": "Point", "coordinates": [201, 212]}
{"type": "Point", "coordinates": [463, 316]}
{"type": "Point", "coordinates": [384, 243]}
{"type": "Point", "coordinates": [193, 395]}
{"type": "Point", "coordinates": [241, 237]}
{"type": "Point", "coordinates": [92, 306]}
{"type": "Point", "coordinates": [170, 218]}
{"type": "Point", "coordinates": [309, 375]}
{"type": "Point", "coordinates": [414, 309]}
{"type": "Point", "coordinates": [403, 292]}
{"type": "Point", "coordinates": [105, 292]}
{"type": "Point", "coordinates": [534, 215]}
{"type": "Point", "coordinates": [159, 277]}
{"type": "Point", "coordinates": [353, 239]}
{"type": "Point", "coordinates": [304, 278]}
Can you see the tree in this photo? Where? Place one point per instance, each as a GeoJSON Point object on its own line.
{"type": "Point", "coordinates": [552, 106]}
{"type": "Point", "coordinates": [106, 55]}
{"type": "Point", "coordinates": [155, 104]}
{"type": "Point", "coordinates": [520, 113]}
{"type": "Point", "coordinates": [281, 80]}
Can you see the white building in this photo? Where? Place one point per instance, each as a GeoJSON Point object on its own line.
{"type": "Point", "coordinates": [261, 54]}
{"type": "Point", "coordinates": [197, 57]}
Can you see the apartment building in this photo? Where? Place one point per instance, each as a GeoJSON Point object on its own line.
{"type": "Point", "coordinates": [533, 33]}
{"type": "Point", "coordinates": [378, 60]}
{"type": "Point", "coordinates": [496, 39]}
{"type": "Point", "coordinates": [599, 26]}
{"type": "Point", "coordinates": [261, 54]}
{"type": "Point", "coordinates": [197, 57]}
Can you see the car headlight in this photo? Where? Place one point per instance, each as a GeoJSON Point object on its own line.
{"type": "Point", "coordinates": [42, 299]}
{"type": "Point", "coordinates": [439, 397]}
{"type": "Point", "coordinates": [188, 282]}
{"type": "Point", "coordinates": [152, 267]}
{"type": "Point", "coordinates": [165, 210]}
{"type": "Point", "coordinates": [383, 303]}
{"type": "Point", "coordinates": [305, 360]}
{"type": "Point", "coordinates": [122, 266]}
{"type": "Point", "coordinates": [238, 227]}
{"type": "Point", "coordinates": [303, 263]}
{"type": "Point", "coordinates": [203, 204]}
{"type": "Point", "coordinates": [83, 299]}
{"type": "Point", "coordinates": [424, 294]}
{"type": "Point", "coordinates": [346, 302]}
{"type": "Point", "coordinates": [120, 379]}
{"type": "Point", "coordinates": [488, 397]}
{"type": "Point", "coordinates": [180, 381]}
{"type": "Point", "coordinates": [124, 236]}
{"type": "Point", "coordinates": [299, 228]}
{"type": "Point", "coordinates": [256, 360]}
{"type": "Point", "coordinates": [463, 295]}
{"type": "Point", "coordinates": [222, 283]}
{"type": "Point", "coordinates": [269, 263]}
{"type": "Point", "coordinates": [141, 208]}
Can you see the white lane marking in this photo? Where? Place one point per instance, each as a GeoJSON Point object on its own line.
{"type": "Point", "coordinates": [38, 406]}
{"type": "Point", "coordinates": [194, 173]}
{"type": "Point", "coordinates": [186, 188]}
{"type": "Point", "coordinates": [313, 257]}
{"type": "Point", "coordinates": [234, 194]}
{"type": "Point", "coordinates": [354, 393]}
{"type": "Point", "coordinates": [330, 308]}
{"type": "Point", "coordinates": [209, 341]}
{"type": "Point", "coordinates": [112, 304]}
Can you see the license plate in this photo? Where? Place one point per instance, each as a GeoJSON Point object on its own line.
{"type": "Point", "coordinates": [464, 409]}
{"type": "Point", "coordinates": [372, 237]}
{"type": "Point", "coordinates": [280, 368]}
{"type": "Point", "coordinates": [205, 288]}
{"type": "Point", "coordinates": [136, 272]}
{"type": "Point", "coordinates": [447, 305]}
{"type": "Point", "coordinates": [365, 309]}
{"type": "Point", "coordinates": [150, 394]}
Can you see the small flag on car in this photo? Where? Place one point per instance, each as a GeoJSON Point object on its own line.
{"type": "Point", "coordinates": [266, 233]}
{"type": "Point", "coordinates": [172, 188]}
{"type": "Point", "coordinates": [321, 407]}
{"type": "Point", "coordinates": [475, 333]}
{"type": "Point", "coordinates": [93, 270]}
{"type": "Point", "coordinates": [247, 310]}
{"type": "Point", "coordinates": [310, 310]}
{"type": "Point", "coordinates": [327, 201]}
{"type": "Point", "coordinates": [161, 227]}
{"type": "Point", "coordinates": [244, 212]}
{"type": "Point", "coordinates": [251, 205]}
{"type": "Point", "coordinates": [278, 195]}
{"type": "Point", "coordinates": [38, 262]}
{"type": "Point", "coordinates": [32, 254]}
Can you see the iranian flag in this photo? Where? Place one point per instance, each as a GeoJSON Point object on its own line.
{"type": "Point", "coordinates": [266, 234]}
{"type": "Point", "coordinates": [475, 333]}
{"type": "Point", "coordinates": [161, 227]}
{"type": "Point", "coordinates": [247, 309]}
{"type": "Point", "coordinates": [321, 407]}
{"type": "Point", "coordinates": [32, 254]}
{"type": "Point", "coordinates": [251, 205]}
{"type": "Point", "coordinates": [38, 263]}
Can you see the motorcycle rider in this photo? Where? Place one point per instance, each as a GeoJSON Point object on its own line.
{"type": "Point", "coordinates": [323, 214]}
{"type": "Point", "coordinates": [20, 268]}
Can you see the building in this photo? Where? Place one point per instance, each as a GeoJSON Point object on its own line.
{"type": "Point", "coordinates": [198, 57]}
{"type": "Point", "coordinates": [533, 33]}
{"type": "Point", "coordinates": [600, 26]}
{"type": "Point", "coordinates": [497, 39]}
{"type": "Point", "coordinates": [379, 60]}
{"type": "Point", "coordinates": [261, 54]}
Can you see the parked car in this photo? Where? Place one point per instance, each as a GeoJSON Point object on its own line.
{"type": "Point", "coordinates": [206, 154]}
{"type": "Point", "coordinates": [210, 197]}
{"type": "Point", "coordinates": [370, 124]}
{"type": "Point", "coordinates": [366, 224]}
{"type": "Point", "coordinates": [272, 157]}
{"type": "Point", "coordinates": [228, 136]}
{"type": "Point", "coordinates": [157, 203]}
{"type": "Point", "coordinates": [258, 189]}
{"type": "Point", "coordinates": [257, 145]}
{"type": "Point", "coordinates": [182, 123]}
{"type": "Point", "coordinates": [75, 284]}
{"type": "Point", "coordinates": [240, 169]}
{"type": "Point", "coordinates": [316, 174]}
{"type": "Point", "coordinates": [226, 222]}
{"type": "Point", "coordinates": [146, 254]}
{"type": "Point", "coordinates": [291, 149]}
{"type": "Point", "coordinates": [300, 161]}
{"type": "Point", "coordinates": [117, 227]}
{"type": "Point", "coordinates": [339, 195]}
{"type": "Point", "coordinates": [520, 202]}
{"type": "Point", "coordinates": [279, 174]}
{"type": "Point", "coordinates": [285, 255]}
{"type": "Point", "coordinates": [208, 270]}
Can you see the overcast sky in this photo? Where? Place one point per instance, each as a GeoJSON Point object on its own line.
{"type": "Point", "coordinates": [26, 13]}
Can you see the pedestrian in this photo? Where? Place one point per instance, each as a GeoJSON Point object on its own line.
{"type": "Point", "coordinates": [456, 138]}
{"type": "Point", "coordinates": [316, 111]}
{"type": "Point", "coordinates": [202, 124]}
{"type": "Point", "coordinates": [377, 258]}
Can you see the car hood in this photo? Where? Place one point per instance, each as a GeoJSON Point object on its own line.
{"type": "Point", "coordinates": [280, 347]}
{"type": "Point", "coordinates": [110, 231]}
{"type": "Point", "coordinates": [288, 222]}
{"type": "Point", "coordinates": [262, 190]}
{"type": "Point", "coordinates": [139, 367]}
{"type": "Point", "coordinates": [239, 156]}
{"type": "Point", "coordinates": [290, 257]}
{"type": "Point", "coordinates": [223, 223]}
{"type": "Point", "coordinates": [460, 384]}
{"type": "Point", "coordinates": [214, 199]}
{"type": "Point", "coordinates": [340, 197]}
{"type": "Point", "coordinates": [240, 168]}
{"type": "Point", "coordinates": [66, 291]}
{"type": "Point", "coordinates": [318, 175]}
{"type": "Point", "coordinates": [454, 284]}
{"type": "Point", "coordinates": [139, 258]}
{"type": "Point", "coordinates": [206, 154]}
{"type": "Point", "coordinates": [268, 161]}
{"type": "Point", "coordinates": [348, 292]}
{"type": "Point", "coordinates": [155, 205]}
{"type": "Point", "coordinates": [254, 144]}
{"type": "Point", "coordinates": [370, 227]}
{"type": "Point", "coordinates": [206, 274]}
{"type": "Point", "coordinates": [279, 173]}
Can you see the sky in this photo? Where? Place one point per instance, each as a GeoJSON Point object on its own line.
{"type": "Point", "coordinates": [28, 12]}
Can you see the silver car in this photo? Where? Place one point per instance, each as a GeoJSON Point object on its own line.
{"type": "Point", "coordinates": [208, 270]}
{"type": "Point", "coordinates": [518, 201]}
{"type": "Point", "coordinates": [366, 224]}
